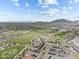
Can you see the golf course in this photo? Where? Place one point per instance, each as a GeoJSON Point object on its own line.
{"type": "Point", "coordinates": [13, 46]}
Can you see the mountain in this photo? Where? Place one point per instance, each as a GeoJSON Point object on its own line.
{"type": "Point", "coordinates": [77, 21]}
{"type": "Point", "coordinates": [61, 21]}
{"type": "Point", "coordinates": [55, 23]}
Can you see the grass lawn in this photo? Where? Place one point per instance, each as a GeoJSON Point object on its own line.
{"type": "Point", "coordinates": [10, 52]}
{"type": "Point", "coordinates": [24, 39]}
{"type": "Point", "coordinates": [59, 36]}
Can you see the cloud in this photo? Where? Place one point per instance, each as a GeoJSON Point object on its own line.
{"type": "Point", "coordinates": [51, 2]}
{"type": "Point", "coordinates": [14, 0]}
{"type": "Point", "coordinates": [17, 4]}
{"type": "Point", "coordinates": [64, 8]}
{"type": "Point", "coordinates": [54, 12]}
{"type": "Point", "coordinates": [70, 7]}
{"type": "Point", "coordinates": [6, 16]}
{"type": "Point", "coordinates": [28, 10]}
{"type": "Point", "coordinates": [26, 4]}
{"type": "Point", "coordinates": [76, 1]}
{"type": "Point", "coordinates": [73, 1]}
{"type": "Point", "coordinates": [48, 2]}
{"type": "Point", "coordinates": [74, 18]}
{"type": "Point", "coordinates": [70, 1]}
{"type": "Point", "coordinates": [34, 11]}
{"type": "Point", "coordinates": [50, 12]}
{"type": "Point", "coordinates": [64, 11]}
{"type": "Point", "coordinates": [44, 6]}
{"type": "Point", "coordinates": [5, 13]}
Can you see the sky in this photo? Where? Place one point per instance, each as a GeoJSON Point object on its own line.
{"type": "Point", "coordinates": [38, 10]}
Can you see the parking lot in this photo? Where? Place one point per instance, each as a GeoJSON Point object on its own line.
{"type": "Point", "coordinates": [55, 51]}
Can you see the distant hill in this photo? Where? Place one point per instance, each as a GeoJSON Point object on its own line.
{"type": "Point", "coordinates": [56, 23]}
{"type": "Point", "coordinates": [77, 22]}
{"type": "Point", "coordinates": [61, 21]}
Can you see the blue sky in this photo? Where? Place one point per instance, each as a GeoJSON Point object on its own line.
{"type": "Point", "coordinates": [38, 10]}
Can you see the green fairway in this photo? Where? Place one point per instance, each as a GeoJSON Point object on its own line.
{"type": "Point", "coordinates": [10, 52]}
{"type": "Point", "coordinates": [60, 36]}
{"type": "Point", "coordinates": [62, 33]}
{"type": "Point", "coordinates": [6, 54]}
{"type": "Point", "coordinates": [24, 39]}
